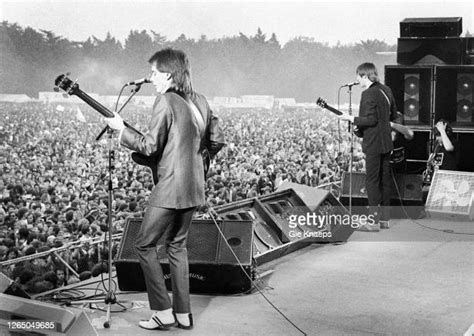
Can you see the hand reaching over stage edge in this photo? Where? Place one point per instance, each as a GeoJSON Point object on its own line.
{"type": "Point", "coordinates": [116, 122]}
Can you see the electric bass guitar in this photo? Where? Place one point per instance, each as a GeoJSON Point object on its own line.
{"type": "Point", "coordinates": [404, 130]}
{"type": "Point", "coordinates": [72, 88]}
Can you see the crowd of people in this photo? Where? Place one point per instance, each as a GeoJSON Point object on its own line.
{"type": "Point", "coordinates": [266, 148]}
{"type": "Point", "coordinates": [55, 176]}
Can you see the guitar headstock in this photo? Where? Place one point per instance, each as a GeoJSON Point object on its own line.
{"type": "Point", "coordinates": [63, 82]}
{"type": "Point", "coordinates": [321, 102]}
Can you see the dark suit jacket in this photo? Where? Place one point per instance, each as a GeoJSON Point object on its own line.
{"type": "Point", "coordinates": [176, 141]}
{"type": "Point", "coordinates": [213, 139]}
{"type": "Point", "coordinates": [374, 118]}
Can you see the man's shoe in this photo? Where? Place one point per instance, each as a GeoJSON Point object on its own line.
{"type": "Point", "coordinates": [384, 224]}
{"type": "Point", "coordinates": [183, 326]}
{"type": "Point", "coordinates": [154, 323]}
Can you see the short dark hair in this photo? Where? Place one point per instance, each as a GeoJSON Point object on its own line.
{"type": "Point", "coordinates": [177, 64]}
{"type": "Point", "coordinates": [369, 70]}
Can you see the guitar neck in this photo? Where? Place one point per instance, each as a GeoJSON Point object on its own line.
{"type": "Point", "coordinates": [94, 104]}
{"type": "Point", "coordinates": [333, 110]}
{"type": "Point", "coordinates": [99, 107]}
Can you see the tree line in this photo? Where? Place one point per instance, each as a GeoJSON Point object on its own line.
{"type": "Point", "coordinates": [302, 68]}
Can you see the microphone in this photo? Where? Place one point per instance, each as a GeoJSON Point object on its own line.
{"type": "Point", "coordinates": [350, 84]}
{"type": "Point", "coordinates": [139, 81]}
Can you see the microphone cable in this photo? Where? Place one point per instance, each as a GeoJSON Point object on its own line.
{"type": "Point", "coordinates": [249, 277]}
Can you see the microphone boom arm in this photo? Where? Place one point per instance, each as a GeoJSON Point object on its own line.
{"type": "Point", "coordinates": [106, 128]}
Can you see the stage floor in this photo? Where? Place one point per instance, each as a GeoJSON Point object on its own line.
{"type": "Point", "coordinates": [413, 279]}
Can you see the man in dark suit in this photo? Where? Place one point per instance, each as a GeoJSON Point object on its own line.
{"type": "Point", "coordinates": [377, 108]}
{"type": "Point", "coordinates": [179, 132]}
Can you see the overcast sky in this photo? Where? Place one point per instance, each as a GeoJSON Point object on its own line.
{"type": "Point", "coordinates": [330, 22]}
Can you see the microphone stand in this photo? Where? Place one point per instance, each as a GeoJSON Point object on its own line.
{"type": "Point", "coordinates": [338, 120]}
{"type": "Point", "coordinates": [110, 296]}
{"type": "Point", "coordinates": [351, 132]}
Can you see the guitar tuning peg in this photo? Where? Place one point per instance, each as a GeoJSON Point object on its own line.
{"type": "Point", "coordinates": [56, 89]}
{"type": "Point", "coordinates": [67, 74]}
{"type": "Point", "coordinates": [65, 95]}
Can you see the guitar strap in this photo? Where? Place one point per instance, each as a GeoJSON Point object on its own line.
{"type": "Point", "coordinates": [198, 117]}
{"type": "Point", "coordinates": [385, 95]}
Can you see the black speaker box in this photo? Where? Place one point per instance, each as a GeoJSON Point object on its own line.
{"type": "Point", "coordinates": [412, 90]}
{"type": "Point", "coordinates": [268, 235]}
{"type": "Point", "coordinates": [322, 202]}
{"type": "Point", "coordinates": [431, 27]}
{"type": "Point", "coordinates": [455, 95]}
{"type": "Point", "coordinates": [418, 147]}
{"type": "Point", "coordinates": [466, 149]}
{"type": "Point", "coordinates": [431, 50]}
{"type": "Point", "coordinates": [213, 268]}
{"type": "Point", "coordinates": [281, 205]}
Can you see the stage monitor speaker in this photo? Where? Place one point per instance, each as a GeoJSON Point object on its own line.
{"type": "Point", "coordinates": [60, 320]}
{"type": "Point", "coordinates": [407, 192]}
{"type": "Point", "coordinates": [431, 27]}
{"type": "Point", "coordinates": [323, 203]}
{"type": "Point", "coordinates": [274, 233]}
{"type": "Point", "coordinates": [8, 286]}
{"type": "Point", "coordinates": [431, 51]}
{"type": "Point", "coordinates": [213, 268]}
{"type": "Point", "coordinates": [451, 195]}
{"type": "Point", "coordinates": [281, 205]}
{"type": "Point", "coordinates": [268, 235]}
{"type": "Point", "coordinates": [455, 95]}
{"type": "Point", "coordinates": [411, 87]}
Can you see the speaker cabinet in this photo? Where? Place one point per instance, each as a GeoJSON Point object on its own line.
{"type": "Point", "coordinates": [268, 235]}
{"type": "Point", "coordinates": [323, 203]}
{"type": "Point", "coordinates": [466, 148]}
{"type": "Point", "coordinates": [469, 58]}
{"type": "Point", "coordinates": [281, 205]}
{"type": "Point", "coordinates": [454, 95]}
{"type": "Point", "coordinates": [451, 196]}
{"type": "Point", "coordinates": [411, 88]}
{"type": "Point", "coordinates": [442, 51]}
{"type": "Point", "coordinates": [213, 268]}
{"type": "Point", "coordinates": [418, 147]}
{"type": "Point", "coordinates": [431, 27]}
{"type": "Point", "coordinates": [65, 321]}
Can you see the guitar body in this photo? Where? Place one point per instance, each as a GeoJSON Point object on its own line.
{"type": "Point", "coordinates": [147, 161]}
